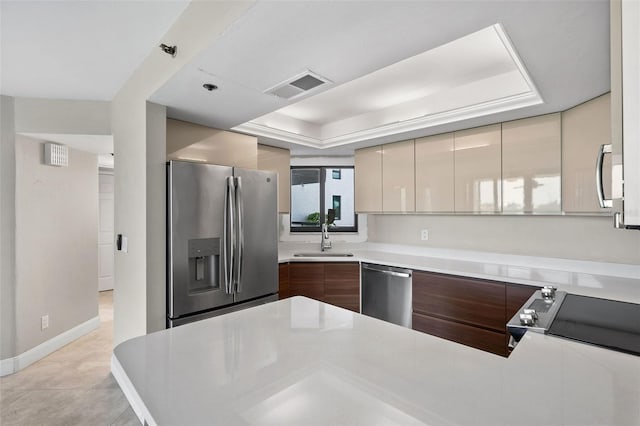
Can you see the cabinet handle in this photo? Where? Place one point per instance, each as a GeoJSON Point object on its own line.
{"type": "Point", "coordinates": [604, 202]}
{"type": "Point", "coordinates": [392, 273]}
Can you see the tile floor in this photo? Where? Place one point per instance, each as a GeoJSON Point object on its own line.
{"type": "Point", "coordinates": [72, 386]}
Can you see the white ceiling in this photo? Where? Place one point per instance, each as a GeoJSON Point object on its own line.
{"type": "Point", "coordinates": [476, 75]}
{"type": "Point", "coordinates": [564, 45]}
{"type": "Point", "coordinates": [78, 49]}
{"type": "Point", "coordinates": [87, 50]}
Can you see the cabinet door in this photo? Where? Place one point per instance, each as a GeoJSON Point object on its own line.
{"type": "Point", "coordinates": [478, 177]}
{"type": "Point", "coordinates": [398, 184]}
{"type": "Point", "coordinates": [307, 279]}
{"type": "Point", "coordinates": [189, 141]}
{"type": "Point", "coordinates": [368, 179]}
{"type": "Point", "coordinates": [467, 300]}
{"type": "Point", "coordinates": [584, 128]}
{"type": "Point", "coordinates": [283, 281]}
{"type": "Point", "coordinates": [278, 160]}
{"type": "Point", "coordinates": [342, 285]}
{"type": "Point", "coordinates": [479, 338]}
{"type": "Point", "coordinates": [434, 173]}
{"type": "Point", "coordinates": [531, 161]}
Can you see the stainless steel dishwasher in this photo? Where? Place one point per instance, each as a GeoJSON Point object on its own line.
{"type": "Point", "coordinates": [386, 293]}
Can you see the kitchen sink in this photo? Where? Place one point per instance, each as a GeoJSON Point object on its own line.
{"type": "Point", "coordinates": [323, 254]}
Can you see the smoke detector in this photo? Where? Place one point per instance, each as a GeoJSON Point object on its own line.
{"type": "Point", "coordinates": [299, 85]}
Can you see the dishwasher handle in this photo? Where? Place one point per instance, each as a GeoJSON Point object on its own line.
{"type": "Point", "coordinates": [384, 271]}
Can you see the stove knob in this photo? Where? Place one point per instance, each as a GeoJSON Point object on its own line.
{"type": "Point", "coordinates": [527, 319]}
{"type": "Point", "coordinates": [548, 292]}
{"type": "Point", "coordinates": [531, 312]}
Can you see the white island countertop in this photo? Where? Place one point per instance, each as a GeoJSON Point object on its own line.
{"type": "Point", "coordinates": [303, 362]}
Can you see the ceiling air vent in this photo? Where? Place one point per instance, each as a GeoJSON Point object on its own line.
{"type": "Point", "coordinates": [297, 86]}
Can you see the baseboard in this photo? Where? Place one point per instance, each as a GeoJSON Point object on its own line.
{"type": "Point", "coordinates": [7, 366]}
{"type": "Point", "coordinates": [13, 365]}
{"type": "Point", "coordinates": [130, 392]}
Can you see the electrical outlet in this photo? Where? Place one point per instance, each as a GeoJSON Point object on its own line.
{"type": "Point", "coordinates": [44, 322]}
{"type": "Point", "coordinates": [424, 234]}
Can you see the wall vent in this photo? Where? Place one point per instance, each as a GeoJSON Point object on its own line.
{"type": "Point", "coordinates": [299, 85]}
{"type": "Point", "coordinates": [56, 154]}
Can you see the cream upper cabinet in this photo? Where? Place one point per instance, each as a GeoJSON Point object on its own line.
{"type": "Point", "coordinates": [478, 177]}
{"type": "Point", "coordinates": [193, 142]}
{"type": "Point", "coordinates": [531, 163]}
{"type": "Point", "coordinates": [584, 128]}
{"type": "Point", "coordinates": [434, 173]}
{"type": "Point", "coordinates": [368, 179]}
{"type": "Point", "coordinates": [277, 160]}
{"type": "Point", "coordinates": [398, 178]}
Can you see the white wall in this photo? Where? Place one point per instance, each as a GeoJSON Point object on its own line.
{"type": "Point", "coordinates": [56, 243]}
{"type": "Point", "coordinates": [305, 199]}
{"type": "Point", "coordinates": [568, 237]}
{"type": "Point", "coordinates": [7, 228]}
{"type": "Point", "coordinates": [344, 187]}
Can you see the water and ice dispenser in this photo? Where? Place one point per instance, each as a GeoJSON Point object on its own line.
{"type": "Point", "coordinates": [204, 264]}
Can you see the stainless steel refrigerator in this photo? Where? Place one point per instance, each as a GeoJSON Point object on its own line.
{"type": "Point", "coordinates": [222, 244]}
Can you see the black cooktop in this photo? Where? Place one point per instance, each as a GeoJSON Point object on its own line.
{"type": "Point", "coordinates": [609, 323]}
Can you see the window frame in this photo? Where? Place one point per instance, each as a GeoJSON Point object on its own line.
{"type": "Point", "coordinates": [323, 208]}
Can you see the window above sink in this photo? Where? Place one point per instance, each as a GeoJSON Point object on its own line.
{"type": "Point", "coordinates": [315, 190]}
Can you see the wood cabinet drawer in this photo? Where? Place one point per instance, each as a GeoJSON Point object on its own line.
{"type": "Point", "coordinates": [478, 338]}
{"type": "Point", "coordinates": [307, 279]}
{"type": "Point", "coordinates": [475, 302]}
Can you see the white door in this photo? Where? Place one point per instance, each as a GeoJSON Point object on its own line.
{"type": "Point", "coordinates": [105, 237]}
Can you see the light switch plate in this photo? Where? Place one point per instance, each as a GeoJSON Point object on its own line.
{"type": "Point", "coordinates": [125, 244]}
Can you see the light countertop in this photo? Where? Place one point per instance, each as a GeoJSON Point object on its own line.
{"type": "Point", "coordinates": [597, 279]}
{"type": "Point", "coordinates": [302, 362]}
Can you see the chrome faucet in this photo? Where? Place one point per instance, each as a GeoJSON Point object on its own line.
{"type": "Point", "coordinates": [325, 242]}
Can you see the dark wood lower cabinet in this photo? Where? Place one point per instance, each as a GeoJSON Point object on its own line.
{"type": "Point", "coordinates": [342, 285]}
{"type": "Point", "coordinates": [476, 337]}
{"type": "Point", "coordinates": [468, 300]}
{"type": "Point", "coordinates": [307, 279]}
{"type": "Point", "coordinates": [331, 282]}
{"type": "Point", "coordinates": [470, 311]}
{"type": "Point", "coordinates": [283, 281]}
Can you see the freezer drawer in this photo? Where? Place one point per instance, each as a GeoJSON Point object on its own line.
{"type": "Point", "coordinates": [386, 293]}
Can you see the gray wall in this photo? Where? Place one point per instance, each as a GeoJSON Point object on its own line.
{"type": "Point", "coordinates": [156, 217]}
{"type": "Point", "coordinates": [62, 116]}
{"type": "Point", "coordinates": [569, 237]}
{"type": "Point", "coordinates": [7, 228]}
{"type": "Point", "coordinates": [56, 243]}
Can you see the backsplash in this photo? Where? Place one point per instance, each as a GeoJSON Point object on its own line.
{"type": "Point", "coordinates": [568, 237]}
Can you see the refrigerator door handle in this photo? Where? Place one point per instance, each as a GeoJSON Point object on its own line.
{"type": "Point", "coordinates": [228, 240]}
{"type": "Point", "coordinates": [604, 202]}
{"type": "Point", "coordinates": [240, 235]}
